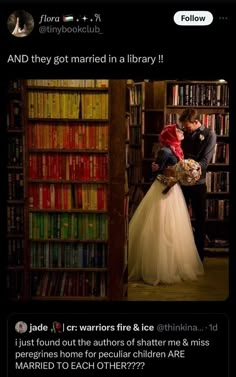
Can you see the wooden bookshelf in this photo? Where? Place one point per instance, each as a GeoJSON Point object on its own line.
{"type": "Point", "coordinates": [162, 103]}
{"type": "Point", "coordinates": [152, 124]}
{"type": "Point", "coordinates": [135, 103]}
{"type": "Point", "coordinates": [211, 99]}
{"type": "Point", "coordinates": [74, 220]}
{"type": "Point", "coordinates": [15, 192]}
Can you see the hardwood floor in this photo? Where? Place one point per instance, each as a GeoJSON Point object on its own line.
{"type": "Point", "coordinates": [213, 286]}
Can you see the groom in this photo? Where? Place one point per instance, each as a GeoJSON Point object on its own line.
{"type": "Point", "coordinates": [198, 144]}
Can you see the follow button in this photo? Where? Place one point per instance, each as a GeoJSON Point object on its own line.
{"type": "Point", "coordinates": [193, 18]}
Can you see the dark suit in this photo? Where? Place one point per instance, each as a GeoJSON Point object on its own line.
{"type": "Point", "coordinates": [200, 147]}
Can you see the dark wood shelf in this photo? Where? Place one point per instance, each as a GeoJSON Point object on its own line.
{"type": "Point", "coordinates": [67, 120]}
{"type": "Point", "coordinates": [181, 81]}
{"type": "Point", "coordinates": [66, 89]}
{"type": "Point", "coordinates": [70, 298]}
{"type": "Point", "coordinates": [61, 210]}
{"type": "Point", "coordinates": [218, 164]}
{"type": "Point", "coordinates": [105, 182]}
{"type": "Point", "coordinates": [153, 110]}
{"type": "Point", "coordinates": [69, 240]}
{"type": "Point", "coordinates": [13, 202]}
{"type": "Point", "coordinates": [14, 235]}
{"type": "Point", "coordinates": [150, 135]}
{"type": "Point", "coordinates": [58, 150]}
{"type": "Point", "coordinates": [220, 193]}
{"type": "Point", "coordinates": [197, 107]}
{"type": "Point", "coordinates": [69, 269]}
{"type": "Point", "coordinates": [14, 130]}
{"type": "Point", "coordinates": [15, 268]}
{"type": "Point", "coordinates": [14, 167]}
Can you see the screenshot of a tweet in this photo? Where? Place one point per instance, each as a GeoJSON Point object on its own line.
{"type": "Point", "coordinates": [117, 129]}
{"type": "Point", "coordinates": [128, 344]}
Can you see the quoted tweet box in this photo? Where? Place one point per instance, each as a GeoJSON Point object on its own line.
{"type": "Point", "coordinates": [108, 344]}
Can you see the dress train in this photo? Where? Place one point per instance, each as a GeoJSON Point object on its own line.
{"type": "Point", "coordinates": [161, 242]}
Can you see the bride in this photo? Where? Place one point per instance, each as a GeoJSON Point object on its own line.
{"type": "Point", "coordinates": [161, 242]}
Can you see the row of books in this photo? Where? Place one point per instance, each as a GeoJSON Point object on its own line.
{"type": "Point", "coordinates": [135, 115]}
{"type": "Point", "coordinates": [217, 242]}
{"type": "Point", "coordinates": [68, 226]}
{"type": "Point", "coordinates": [69, 284]}
{"type": "Point", "coordinates": [134, 175]}
{"type": "Point", "coordinates": [15, 186]}
{"type": "Point", "coordinates": [217, 209]}
{"type": "Point", "coordinates": [58, 255]}
{"type": "Point", "coordinates": [217, 122]}
{"type": "Point", "coordinates": [15, 151]}
{"type": "Point", "coordinates": [136, 195]}
{"type": "Point", "coordinates": [68, 196]}
{"type": "Point", "coordinates": [134, 156]}
{"type": "Point", "coordinates": [15, 219]}
{"type": "Point", "coordinates": [14, 85]}
{"type": "Point", "coordinates": [15, 251]}
{"type": "Point", "coordinates": [217, 181]}
{"type": "Point", "coordinates": [135, 95]}
{"type": "Point", "coordinates": [71, 83]}
{"type": "Point", "coordinates": [66, 255]}
{"type": "Point", "coordinates": [68, 166]}
{"type": "Point", "coordinates": [198, 95]}
{"type": "Point", "coordinates": [67, 105]}
{"type": "Point", "coordinates": [15, 284]}
{"type": "Point", "coordinates": [68, 136]}
{"type": "Point", "coordinates": [14, 114]}
{"type": "Point", "coordinates": [135, 135]}
{"type": "Point", "coordinates": [221, 153]}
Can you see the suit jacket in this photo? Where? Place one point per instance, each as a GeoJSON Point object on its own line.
{"type": "Point", "coordinates": [200, 146]}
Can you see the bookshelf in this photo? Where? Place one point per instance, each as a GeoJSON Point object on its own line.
{"type": "Point", "coordinates": [211, 98]}
{"type": "Point", "coordinates": [126, 201]}
{"type": "Point", "coordinates": [153, 114]}
{"type": "Point", "coordinates": [15, 192]}
{"type": "Point", "coordinates": [162, 103]}
{"type": "Point", "coordinates": [135, 104]}
{"type": "Point", "coordinates": [74, 188]}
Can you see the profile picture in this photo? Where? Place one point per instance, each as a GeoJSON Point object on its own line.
{"type": "Point", "coordinates": [21, 327]}
{"type": "Point", "coordinates": [20, 23]}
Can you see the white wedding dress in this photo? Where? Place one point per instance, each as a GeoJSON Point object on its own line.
{"type": "Point", "coordinates": [161, 242]}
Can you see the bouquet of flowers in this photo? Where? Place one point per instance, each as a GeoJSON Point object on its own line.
{"type": "Point", "coordinates": [187, 172]}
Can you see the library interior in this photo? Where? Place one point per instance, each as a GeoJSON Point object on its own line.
{"type": "Point", "coordinates": [79, 162]}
